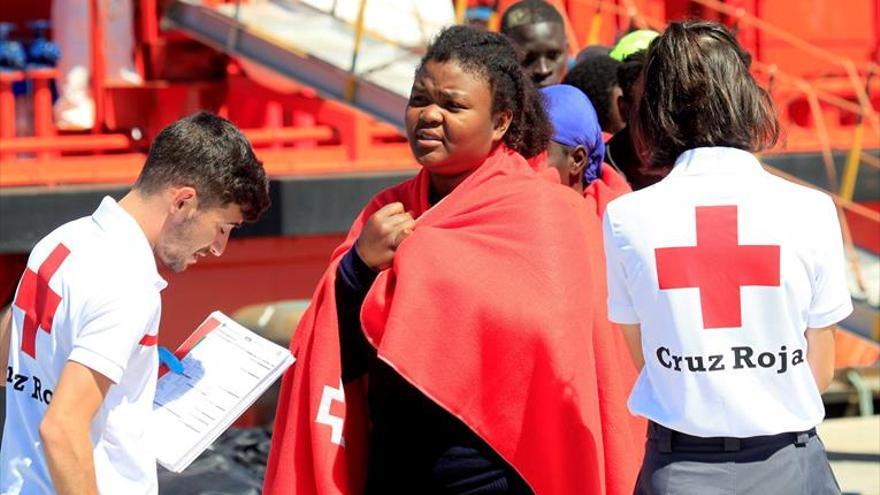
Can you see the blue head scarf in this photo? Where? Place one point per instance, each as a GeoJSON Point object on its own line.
{"type": "Point", "coordinates": [575, 123]}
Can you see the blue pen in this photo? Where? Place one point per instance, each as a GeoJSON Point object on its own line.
{"type": "Point", "coordinates": [168, 358]}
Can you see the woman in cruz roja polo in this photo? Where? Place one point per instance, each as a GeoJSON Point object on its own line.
{"type": "Point", "coordinates": [727, 280]}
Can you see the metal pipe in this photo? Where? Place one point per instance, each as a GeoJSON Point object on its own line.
{"type": "Point", "coordinates": [851, 169]}
{"type": "Point", "coordinates": [863, 391]}
{"type": "Point", "coordinates": [98, 67]}
{"type": "Point", "coordinates": [460, 10]}
{"type": "Point", "coordinates": [351, 84]}
{"type": "Point", "coordinates": [595, 25]}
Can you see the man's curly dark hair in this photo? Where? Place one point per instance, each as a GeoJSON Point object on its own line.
{"type": "Point", "coordinates": [596, 76]}
{"type": "Point", "coordinates": [492, 57]}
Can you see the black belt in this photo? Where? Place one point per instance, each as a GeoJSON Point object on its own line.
{"type": "Point", "coordinates": [669, 440]}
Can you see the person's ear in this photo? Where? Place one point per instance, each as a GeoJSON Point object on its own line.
{"type": "Point", "coordinates": [617, 122]}
{"type": "Point", "coordinates": [184, 200]}
{"type": "Point", "coordinates": [500, 125]}
{"type": "Point", "coordinates": [622, 108]}
{"type": "Point", "coordinates": [577, 161]}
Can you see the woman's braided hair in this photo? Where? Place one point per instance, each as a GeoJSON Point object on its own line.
{"type": "Point", "coordinates": [492, 57]}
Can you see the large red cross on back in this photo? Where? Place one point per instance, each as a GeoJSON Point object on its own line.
{"type": "Point", "coordinates": [718, 265]}
{"type": "Point", "coordinates": [37, 300]}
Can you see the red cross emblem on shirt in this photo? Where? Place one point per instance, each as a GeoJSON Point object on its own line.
{"type": "Point", "coordinates": [37, 300]}
{"type": "Point", "coordinates": [718, 265]}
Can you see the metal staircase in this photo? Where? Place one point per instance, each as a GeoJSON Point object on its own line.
{"type": "Point", "coordinates": [339, 60]}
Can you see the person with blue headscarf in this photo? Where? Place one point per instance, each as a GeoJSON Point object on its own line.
{"type": "Point", "coordinates": [576, 149]}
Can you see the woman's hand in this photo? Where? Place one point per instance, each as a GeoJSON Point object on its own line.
{"type": "Point", "coordinates": [382, 233]}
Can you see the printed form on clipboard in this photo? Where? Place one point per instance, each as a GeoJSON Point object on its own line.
{"type": "Point", "coordinates": [226, 367]}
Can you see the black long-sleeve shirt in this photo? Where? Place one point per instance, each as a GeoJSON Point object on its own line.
{"type": "Point", "coordinates": [415, 445]}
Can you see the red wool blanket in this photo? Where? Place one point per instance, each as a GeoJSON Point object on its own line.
{"type": "Point", "coordinates": [490, 310]}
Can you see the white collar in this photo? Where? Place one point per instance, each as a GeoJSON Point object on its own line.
{"type": "Point", "coordinates": [714, 161]}
{"type": "Point", "coordinates": [118, 222]}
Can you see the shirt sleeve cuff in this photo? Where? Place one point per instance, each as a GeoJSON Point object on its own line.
{"type": "Point", "coordinates": [355, 273]}
{"type": "Point", "coordinates": [97, 362]}
{"type": "Point", "coordinates": [622, 314]}
{"type": "Point", "coordinates": [365, 275]}
{"type": "Point", "coordinates": [829, 318]}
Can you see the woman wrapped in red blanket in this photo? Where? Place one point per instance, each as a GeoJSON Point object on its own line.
{"type": "Point", "coordinates": [449, 346]}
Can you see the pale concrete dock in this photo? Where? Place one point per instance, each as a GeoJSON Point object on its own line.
{"type": "Point", "coordinates": [853, 446]}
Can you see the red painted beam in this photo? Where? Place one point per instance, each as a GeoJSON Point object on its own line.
{"type": "Point", "coordinates": [69, 143]}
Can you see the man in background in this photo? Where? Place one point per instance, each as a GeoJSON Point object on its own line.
{"type": "Point", "coordinates": [620, 152]}
{"type": "Point", "coordinates": [537, 30]}
{"type": "Point", "coordinates": [596, 76]}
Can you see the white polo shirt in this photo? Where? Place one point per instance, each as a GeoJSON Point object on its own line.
{"type": "Point", "coordinates": [90, 294]}
{"type": "Point", "coordinates": [725, 266]}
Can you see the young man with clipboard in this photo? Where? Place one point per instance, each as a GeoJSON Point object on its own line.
{"type": "Point", "coordinates": [82, 359]}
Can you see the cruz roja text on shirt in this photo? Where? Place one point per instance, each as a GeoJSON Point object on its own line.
{"type": "Point", "coordinates": [739, 357]}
